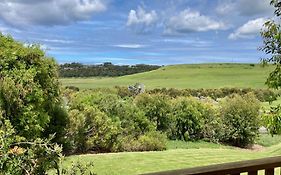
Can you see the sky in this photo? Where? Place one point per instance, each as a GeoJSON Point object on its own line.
{"type": "Point", "coordinates": [159, 32]}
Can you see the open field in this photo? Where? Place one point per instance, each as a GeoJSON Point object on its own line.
{"type": "Point", "coordinates": [185, 76]}
{"type": "Point", "coordinates": [129, 163]}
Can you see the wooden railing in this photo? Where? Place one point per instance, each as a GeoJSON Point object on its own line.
{"type": "Point", "coordinates": [250, 167]}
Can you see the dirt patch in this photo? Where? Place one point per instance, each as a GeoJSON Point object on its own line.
{"type": "Point", "coordinates": [256, 147]}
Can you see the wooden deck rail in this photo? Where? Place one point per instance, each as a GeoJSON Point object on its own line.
{"type": "Point", "coordinates": [235, 168]}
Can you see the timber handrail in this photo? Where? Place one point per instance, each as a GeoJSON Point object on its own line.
{"type": "Point", "coordinates": [234, 168]}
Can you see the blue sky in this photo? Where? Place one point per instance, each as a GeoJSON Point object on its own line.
{"type": "Point", "coordinates": [140, 31]}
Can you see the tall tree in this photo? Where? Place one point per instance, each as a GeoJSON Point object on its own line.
{"type": "Point", "coordinates": [271, 35]}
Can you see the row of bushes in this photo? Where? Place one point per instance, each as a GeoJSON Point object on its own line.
{"type": "Point", "coordinates": [105, 122]}
{"type": "Point", "coordinates": [263, 95]}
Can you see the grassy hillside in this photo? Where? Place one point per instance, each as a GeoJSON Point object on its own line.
{"type": "Point", "coordinates": [185, 76]}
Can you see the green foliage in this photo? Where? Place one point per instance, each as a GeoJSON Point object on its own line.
{"type": "Point", "coordinates": [262, 94]}
{"type": "Point", "coordinates": [31, 115]}
{"type": "Point", "coordinates": [79, 168]}
{"type": "Point", "coordinates": [271, 45]}
{"type": "Point", "coordinates": [188, 119]}
{"type": "Point", "coordinates": [240, 118]}
{"type": "Point", "coordinates": [157, 109]}
{"type": "Point", "coordinates": [19, 156]}
{"type": "Point", "coordinates": [91, 130]}
{"type": "Point", "coordinates": [29, 87]}
{"type": "Point", "coordinates": [272, 120]}
{"type": "Point", "coordinates": [150, 141]}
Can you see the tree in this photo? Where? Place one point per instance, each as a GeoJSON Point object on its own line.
{"type": "Point", "coordinates": [272, 45]}
{"type": "Point", "coordinates": [271, 35]}
{"type": "Point", "coordinates": [29, 89]}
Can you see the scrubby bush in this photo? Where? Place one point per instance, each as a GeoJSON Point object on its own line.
{"type": "Point", "coordinates": [188, 119]}
{"type": "Point", "coordinates": [151, 141]}
{"type": "Point", "coordinates": [157, 109]}
{"type": "Point", "coordinates": [91, 130]}
{"type": "Point", "coordinates": [240, 118]}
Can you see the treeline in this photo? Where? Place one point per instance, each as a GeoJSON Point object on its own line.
{"type": "Point", "coordinates": [106, 69]}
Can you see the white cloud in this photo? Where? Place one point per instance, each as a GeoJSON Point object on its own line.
{"type": "Point", "coordinates": [61, 41]}
{"type": "Point", "coordinates": [192, 21]}
{"type": "Point", "coordinates": [248, 30]}
{"type": "Point", "coordinates": [141, 20]}
{"type": "Point", "coordinates": [244, 7]}
{"type": "Point", "coordinates": [130, 46]}
{"type": "Point", "coordinates": [48, 12]}
{"type": "Point", "coordinates": [225, 7]}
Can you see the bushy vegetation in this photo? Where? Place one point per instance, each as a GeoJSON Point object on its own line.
{"type": "Point", "coordinates": [30, 109]}
{"type": "Point", "coordinates": [107, 122]}
{"type": "Point", "coordinates": [102, 70]}
{"type": "Point", "coordinates": [240, 119]}
{"type": "Point", "coordinates": [264, 95]}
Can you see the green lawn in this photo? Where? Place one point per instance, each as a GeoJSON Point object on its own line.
{"type": "Point", "coordinates": [144, 162]}
{"type": "Point", "coordinates": [185, 76]}
{"type": "Point", "coordinates": [178, 155]}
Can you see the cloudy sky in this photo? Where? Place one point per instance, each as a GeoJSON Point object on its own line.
{"type": "Point", "coordinates": [139, 31]}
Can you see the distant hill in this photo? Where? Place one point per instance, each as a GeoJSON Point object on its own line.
{"type": "Point", "coordinates": [102, 70]}
{"type": "Point", "coordinates": [186, 76]}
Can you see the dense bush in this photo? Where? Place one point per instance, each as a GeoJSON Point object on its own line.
{"type": "Point", "coordinates": [157, 109]}
{"type": "Point", "coordinates": [122, 120]}
{"type": "Point", "coordinates": [188, 119]}
{"type": "Point", "coordinates": [30, 109]}
{"type": "Point", "coordinates": [29, 88]}
{"type": "Point", "coordinates": [240, 119]}
{"type": "Point", "coordinates": [150, 141]}
{"type": "Point", "coordinates": [91, 130]}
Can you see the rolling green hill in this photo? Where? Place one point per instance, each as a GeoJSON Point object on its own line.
{"type": "Point", "coordinates": [185, 76]}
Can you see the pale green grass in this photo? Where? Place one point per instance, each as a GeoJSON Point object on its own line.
{"type": "Point", "coordinates": [185, 76]}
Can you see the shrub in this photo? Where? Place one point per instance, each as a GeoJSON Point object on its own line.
{"type": "Point", "coordinates": [91, 130]}
{"type": "Point", "coordinates": [188, 119]}
{"type": "Point", "coordinates": [29, 87]}
{"type": "Point", "coordinates": [240, 118]}
{"type": "Point", "coordinates": [151, 141]}
{"type": "Point", "coordinates": [157, 109]}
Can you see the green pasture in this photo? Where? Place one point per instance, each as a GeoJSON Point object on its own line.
{"type": "Point", "coordinates": [185, 156]}
{"type": "Point", "coordinates": [185, 76]}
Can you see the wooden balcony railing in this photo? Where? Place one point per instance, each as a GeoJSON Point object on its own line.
{"type": "Point", "coordinates": [250, 167]}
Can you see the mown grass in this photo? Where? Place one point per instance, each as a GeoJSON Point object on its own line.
{"type": "Point", "coordinates": [185, 76]}
{"type": "Point", "coordinates": [143, 162]}
{"type": "Point", "coordinates": [268, 140]}
{"type": "Point", "coordinates": [178, 155]}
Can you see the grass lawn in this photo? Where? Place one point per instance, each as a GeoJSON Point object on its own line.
{"type": "Point", "coordinates": [178, 155]}
{"type": "Point", "coordinates": [185, 76]}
